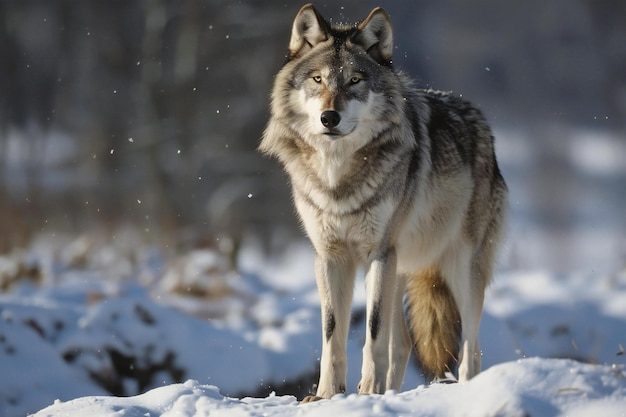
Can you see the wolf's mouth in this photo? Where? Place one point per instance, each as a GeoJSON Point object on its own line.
{"type": "Point", "coordinates": [333, 133]}
{"type": "Point", "coordinates": [336, 133]}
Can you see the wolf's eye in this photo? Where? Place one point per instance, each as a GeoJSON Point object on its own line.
{"type": "Point", "coordinates": [355, 79]}
{"type": "Point", "coordinates": [317, 78]}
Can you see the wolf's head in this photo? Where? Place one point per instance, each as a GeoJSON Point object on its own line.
{"type": "Point", "coordinates": [338, 83]}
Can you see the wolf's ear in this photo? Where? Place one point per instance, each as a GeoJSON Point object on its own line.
{"type": "Point", "coordinates": [309, 29]}
{"type": "Point", "coordinates": [375, 35]}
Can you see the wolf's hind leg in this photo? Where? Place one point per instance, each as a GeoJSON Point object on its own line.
{"type": "Point", "coordinates": [468, 290]}
{"type": "Point", "coordinates": [469, 357]}
{"type": "Point", "coordinates": [399, 341]}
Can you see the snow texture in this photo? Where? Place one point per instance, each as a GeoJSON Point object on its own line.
{"type": "Point", "coordinates": [527, 387]}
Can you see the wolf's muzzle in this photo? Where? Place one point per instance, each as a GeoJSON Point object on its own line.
{"type": "Point", "coordinates": [330, 118]}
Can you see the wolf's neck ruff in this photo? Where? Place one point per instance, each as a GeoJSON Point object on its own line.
{"type": "Point", "coordinates": [400, 180]}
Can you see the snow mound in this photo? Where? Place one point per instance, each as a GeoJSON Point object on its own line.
{"type": "Point", "coordinates": [537, 387]}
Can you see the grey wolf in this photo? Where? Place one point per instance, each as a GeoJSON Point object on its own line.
{"type": "Point", "coordinates": [401, 181]}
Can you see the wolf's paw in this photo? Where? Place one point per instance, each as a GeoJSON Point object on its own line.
{"type": "Point", "coordinates": [447, 379]}
{"type": "Point", "coordinates": [369, 387]}
{"type": "Point", "coordinates": [310, 399]}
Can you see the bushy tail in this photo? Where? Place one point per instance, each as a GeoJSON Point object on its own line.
{"type": "Point", "coordinates": [434, 323]}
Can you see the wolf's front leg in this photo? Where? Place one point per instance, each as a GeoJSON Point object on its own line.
{"type": "Point", "coordinates": [335, 282]}
{"type": "Point", "coordinates": [381, 289]}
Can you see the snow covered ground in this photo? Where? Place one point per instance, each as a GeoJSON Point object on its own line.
{"type": "Point", "coordinates": [104, 325]}
{"type": "Point", "coordinates": [99, 321]}
{"type": "Point", "coordinates": [529, 387]}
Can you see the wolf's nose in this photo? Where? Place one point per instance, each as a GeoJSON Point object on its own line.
{"type": "Point", "coordinates": [330, 118]}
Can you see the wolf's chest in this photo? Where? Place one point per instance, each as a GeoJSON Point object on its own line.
{"type": "Point", "coordinates": [359, 226]}
{"type": "Point", "coordinates": [348, 197]}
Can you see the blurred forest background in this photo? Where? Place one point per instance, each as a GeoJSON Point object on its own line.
{"type": "Point", "coordinates": [148, 113]}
